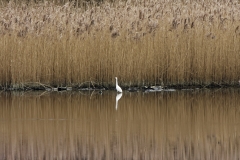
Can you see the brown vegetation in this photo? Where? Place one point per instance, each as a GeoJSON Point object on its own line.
{"type": "Point", "coordinates": [142, 43]}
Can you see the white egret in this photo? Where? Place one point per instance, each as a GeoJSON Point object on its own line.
{"type": "Point", "coordinates": [119, 89]}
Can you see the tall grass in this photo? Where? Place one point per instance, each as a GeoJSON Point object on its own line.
{"type": "Point", "coordinates": [142, 43]}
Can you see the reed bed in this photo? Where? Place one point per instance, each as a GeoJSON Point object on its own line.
{"type": "Point", "coordinates": [141, 42]}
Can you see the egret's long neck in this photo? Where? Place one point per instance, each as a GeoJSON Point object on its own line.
{"type": "Point", "coordinates": [116, 82]}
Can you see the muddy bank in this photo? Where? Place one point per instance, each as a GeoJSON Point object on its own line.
{"type": "Point", "coordinates": [90, 86]}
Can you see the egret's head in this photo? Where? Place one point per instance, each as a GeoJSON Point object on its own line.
{"type": "Point", "coordinates": [115, 77]}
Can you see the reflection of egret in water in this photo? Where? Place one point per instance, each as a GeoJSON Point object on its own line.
{"type": "Point", "coordinates": [117, 99]}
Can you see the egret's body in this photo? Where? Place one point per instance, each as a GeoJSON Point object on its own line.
{"type": "Point", "coordinates": [118, 88]}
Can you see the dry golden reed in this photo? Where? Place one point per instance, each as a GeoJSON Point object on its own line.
{"type": "Point", "coordinates": [142, 43]}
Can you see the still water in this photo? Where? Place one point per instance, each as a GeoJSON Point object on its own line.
{"type": "Point", "coordinates": [196, 124]}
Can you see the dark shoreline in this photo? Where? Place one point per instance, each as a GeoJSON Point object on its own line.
{"type": "Point", "coordinates": [133, 88]}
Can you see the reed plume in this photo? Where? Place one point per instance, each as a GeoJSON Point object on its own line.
{"type": "Point", "coordinates": [142, 43]}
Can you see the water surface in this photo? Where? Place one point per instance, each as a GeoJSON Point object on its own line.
{"type": "Point", "coordinates": [196, 124]}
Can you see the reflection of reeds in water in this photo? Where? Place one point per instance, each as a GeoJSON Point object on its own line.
{"type": "Point", "coordinates": [190, 125]}
{"type": "Point", "coordinates": [141, 43]}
